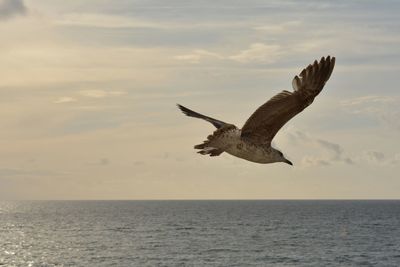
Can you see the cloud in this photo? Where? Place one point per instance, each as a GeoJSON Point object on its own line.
{"type": "Point", "coordinates": [349, 161]}
{"type": "Point", "coordinates": [296, 136]}
{"type": "Point", "coordinates": [369, 99]}
{"type": "Point", "coordinates": [191, 58]}
{"type": "Point", "coordinates": [395, 159]}
{"type": "Point", "coordinates": [258, 53]}
{"type": "Point", "coordinates": [375, 156]}
{"type": "Point", "coordinates": [385, 109]}
{"type": "Point", "coordinates": [100, 162]}
{"type": "Point", "coordinates": [64, 99]}
{"type": "Point", "coordinates": [100, 93]}
{"type": "Point", "coordinates": [104, 162]}
{"type": "Point", "coordinates": [380, 158]}
{"type": "Point", "coordinates": [314, 161]}
{"type": "Point", "coordinates": [108, 21]}
{"type": "Point", "coordinates": [335, 151]}
{"type": "Point", "coordinates": [88, 93]}
{"type": "Point", "coordinates": [280, 27]}
{"type": "Point", "coordinates": [10, 8]}
{"type": "Point", "coordinates": [197, 55]}
{"type": "Point", "coordinates": [101, 20]}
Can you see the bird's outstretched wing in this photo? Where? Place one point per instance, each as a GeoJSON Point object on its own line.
{"type": "Point", "coordinates": [217, 123]}
{"type": "Point", "coordinates": [266, 121]}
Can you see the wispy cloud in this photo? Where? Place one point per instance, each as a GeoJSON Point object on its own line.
{"type": "Point", "coordinates": [385, 109]}
{"type": "Point", "coordinates": [334, 151]}
{"type": "Point", "coordinates": [89, 94]}
{"type": "Point", "coordinates": [314, 161]}
{"type": "Point", "coordinates": [10, 8]}
{"type": "Point", "coordinates": [258, 53]}
{"type": "Point", "coordinates": [375, 156]}
{"type": "Point", "coordinates": [197, 55]}
{"type": "Point", "coordinates": [379, 158]}
{"type": "Point", "coordinates": [112, 21]}
{"type": "Point", "coordinates": [395, 159]}
{"type": "Point", "coordinates": [279, 28]}
{"type": "Point", "coordinates": [100, 93]}
{"type": "Point", "coordinates": [106, 21]}
{"type": "Point", "coordinates": [369, 99]}
{"type": "Point", "coordinates": [103, 162]}
{"type": "Point", "coordinates": [64, 99]}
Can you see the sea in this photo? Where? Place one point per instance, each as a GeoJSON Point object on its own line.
{"type": "Point", "coordinates": [200, 233]}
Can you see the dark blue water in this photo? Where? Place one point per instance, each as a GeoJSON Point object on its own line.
{"type": "Point", "coordinates": [200, 233]}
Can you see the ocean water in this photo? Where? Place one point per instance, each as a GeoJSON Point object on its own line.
{"type": "Point", "coordinates": [200, 233]}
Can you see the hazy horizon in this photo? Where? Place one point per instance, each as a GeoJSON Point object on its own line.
{"type": "Point", "coordinates": [88, 95]}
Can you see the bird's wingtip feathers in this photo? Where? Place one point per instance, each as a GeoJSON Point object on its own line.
{"type": "Point", "coordinates": [184, 110]}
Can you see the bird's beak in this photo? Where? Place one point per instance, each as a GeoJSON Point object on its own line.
{"type": "Point", "coordinates": [288, 162]}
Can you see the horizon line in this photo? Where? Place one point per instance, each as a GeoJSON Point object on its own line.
{"type": "Point", "coordinates": [230, 199]}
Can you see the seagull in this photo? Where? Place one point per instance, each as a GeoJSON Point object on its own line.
{"type": "Point", "coordinates": [253, 141]}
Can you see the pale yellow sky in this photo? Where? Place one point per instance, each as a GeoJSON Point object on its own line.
{"type": "Point", "coordinates": [88, 92]}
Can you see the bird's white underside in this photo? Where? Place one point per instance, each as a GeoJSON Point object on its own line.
{"type": "Point", "coordinates": [232, 143]}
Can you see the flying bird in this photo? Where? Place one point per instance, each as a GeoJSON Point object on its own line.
{"type": "Point", "coordinates": [253, 141]}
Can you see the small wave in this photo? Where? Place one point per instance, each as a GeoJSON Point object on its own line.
{"type": "Point", "coordinates": [122, 229]}
{"type": "Point", "coordinates": [217, 250]}
{"type": "Point", "coordinates": [184, 228]}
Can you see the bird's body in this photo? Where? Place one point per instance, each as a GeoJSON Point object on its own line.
{"type": "Point", "coordinates": [253, 141]}
{"type": "Point", "coordinates": [229, 140]}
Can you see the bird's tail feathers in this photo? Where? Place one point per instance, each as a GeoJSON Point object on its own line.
{"type": "Point", "coordinates": [213, 152]}
{"type": "Point", "coordinates": [206, 148]}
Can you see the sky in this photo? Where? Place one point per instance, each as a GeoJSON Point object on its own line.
{"type": "Point", "coordinates": [88, 94]}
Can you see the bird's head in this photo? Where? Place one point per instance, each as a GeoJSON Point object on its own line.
{"type": "Point", "coordinates": [282, 158]}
